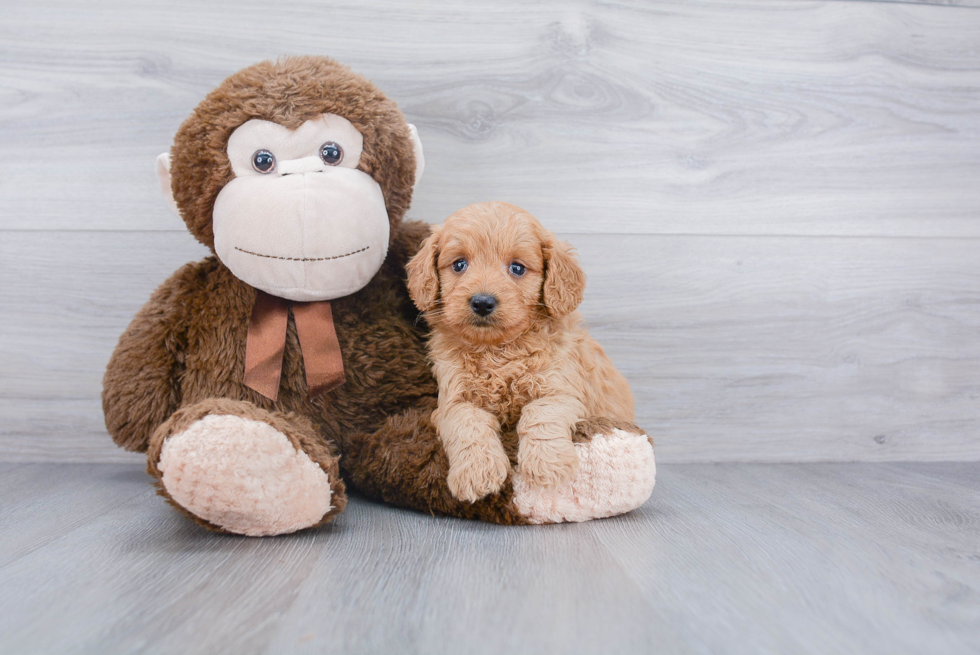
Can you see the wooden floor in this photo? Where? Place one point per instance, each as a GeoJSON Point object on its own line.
{"type": "Point", "coordinates": [725, 558]}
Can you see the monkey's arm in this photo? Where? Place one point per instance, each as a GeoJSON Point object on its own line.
{"type": "Point", "coordinates": [141, 387]}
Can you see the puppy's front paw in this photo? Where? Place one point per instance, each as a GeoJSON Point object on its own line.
{"type": "Point", "coordinates": [479, 471]}
{"type": "Point", "coordinates": [547, 462]}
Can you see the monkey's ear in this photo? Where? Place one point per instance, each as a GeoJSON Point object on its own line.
{"type": "Point", "coordinates": [419, 157]}
{"type": "Point", "coordinates": [564, 279]}
{"type": "Point", "coordinates": [163, 174]}
{"type": "Point", "coordinates": [423, 276]}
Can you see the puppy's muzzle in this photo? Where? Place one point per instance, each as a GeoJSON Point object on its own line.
{"type": "Point", "coordinates": [483, 304]}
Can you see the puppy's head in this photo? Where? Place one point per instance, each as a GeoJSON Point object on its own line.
{"type": "Point", "coordinates": [490, 271]}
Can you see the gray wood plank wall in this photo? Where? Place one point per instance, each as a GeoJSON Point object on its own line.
{"type": "Point", "coordinates": [777, 202]}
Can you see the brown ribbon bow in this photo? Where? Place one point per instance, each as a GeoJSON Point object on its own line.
{"type": "Point", "coordinates": [266, 344]}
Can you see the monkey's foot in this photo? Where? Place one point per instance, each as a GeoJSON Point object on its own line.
{"type": "Point", "coordinates": [244, 476]}
{"type": "Point", "coordinates": [616, 474]}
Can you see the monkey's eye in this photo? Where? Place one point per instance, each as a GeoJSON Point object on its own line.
{"type": "Point", "coordinates": [459, 265]}
{"type": "Point", "coordinates": [331, 153]}
{"type": "Point", "coordinates": [263, 161]}
{"type": "Point", "coordinates": [517, 269]}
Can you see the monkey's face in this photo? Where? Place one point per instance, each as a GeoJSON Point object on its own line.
{"type": "Point", "coordinates": [299, 221]}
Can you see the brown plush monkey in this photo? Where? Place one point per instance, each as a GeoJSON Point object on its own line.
{"type": "Point", "coordinates": [248, 375]}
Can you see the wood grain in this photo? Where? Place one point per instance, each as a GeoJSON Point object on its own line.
{"type": "Point", "coordinates": [40, 506]}
{"type": "Point", "coordinates": [818, 349]}
{"type": "Point", "coordinates": [725, 558]}
{"type": "Point", "coordinates": [721, 117]}
{"type": "Point", "coordinates": [777, 207]}
{"type": "Point", "coordinates": [945, 3]}
{"type": "Point", "coordinates": [830, 558]}
{"type": "Point", "coordinates": [776, 201]}
{"type": "Point", "coordinates": [747, 349]}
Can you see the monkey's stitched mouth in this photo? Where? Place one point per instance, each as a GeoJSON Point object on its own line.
{"type": "Point", "coordinates": [302, 259]}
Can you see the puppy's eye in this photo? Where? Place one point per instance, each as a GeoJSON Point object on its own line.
{"type": "Point", "coordinates": [263, 161]}
{"type": "Point", "coordinates": [459, 265]}
{"type": "Point", "coordinates": [517, 269]}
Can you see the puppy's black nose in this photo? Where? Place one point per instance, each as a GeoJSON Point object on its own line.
{"type": "Point", "coordinates": [483, 305]}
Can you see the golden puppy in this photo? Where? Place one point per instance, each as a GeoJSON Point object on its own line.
{"type": "Point", "coordinates": [507, 348]}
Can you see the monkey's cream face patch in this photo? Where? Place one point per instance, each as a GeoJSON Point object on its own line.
{"type": "Point", "coordinates": [298, 221]}
{"type": "Point", "coordinates": [288, 145]}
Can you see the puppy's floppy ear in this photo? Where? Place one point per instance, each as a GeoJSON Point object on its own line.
{"type": "Point", "coordinates": [423, 276]}
{"type": "Point", "coordinates": [564, 279]}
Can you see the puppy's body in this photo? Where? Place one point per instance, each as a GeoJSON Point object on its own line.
{"type": "Point", "coordinates": [552, 358]}
{"type": "Point", "coordinates": [508, 349]}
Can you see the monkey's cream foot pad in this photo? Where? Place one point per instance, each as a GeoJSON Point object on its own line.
{"type": "Point", "coordinates": [244, 476]}
{"type": "Point", "coordinates": [617, 472]}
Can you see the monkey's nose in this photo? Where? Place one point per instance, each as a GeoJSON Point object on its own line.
{"type": "Point", "coordinates": [483, 305]}
{"type": "Point", "coordinates": [304, 165]}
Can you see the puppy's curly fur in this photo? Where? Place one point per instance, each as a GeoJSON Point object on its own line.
{"type": "Point", "coordinates": [528, 363]}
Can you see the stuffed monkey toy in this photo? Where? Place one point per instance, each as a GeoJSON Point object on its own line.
{"type": "Point", "coordinates": [292, 361]}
